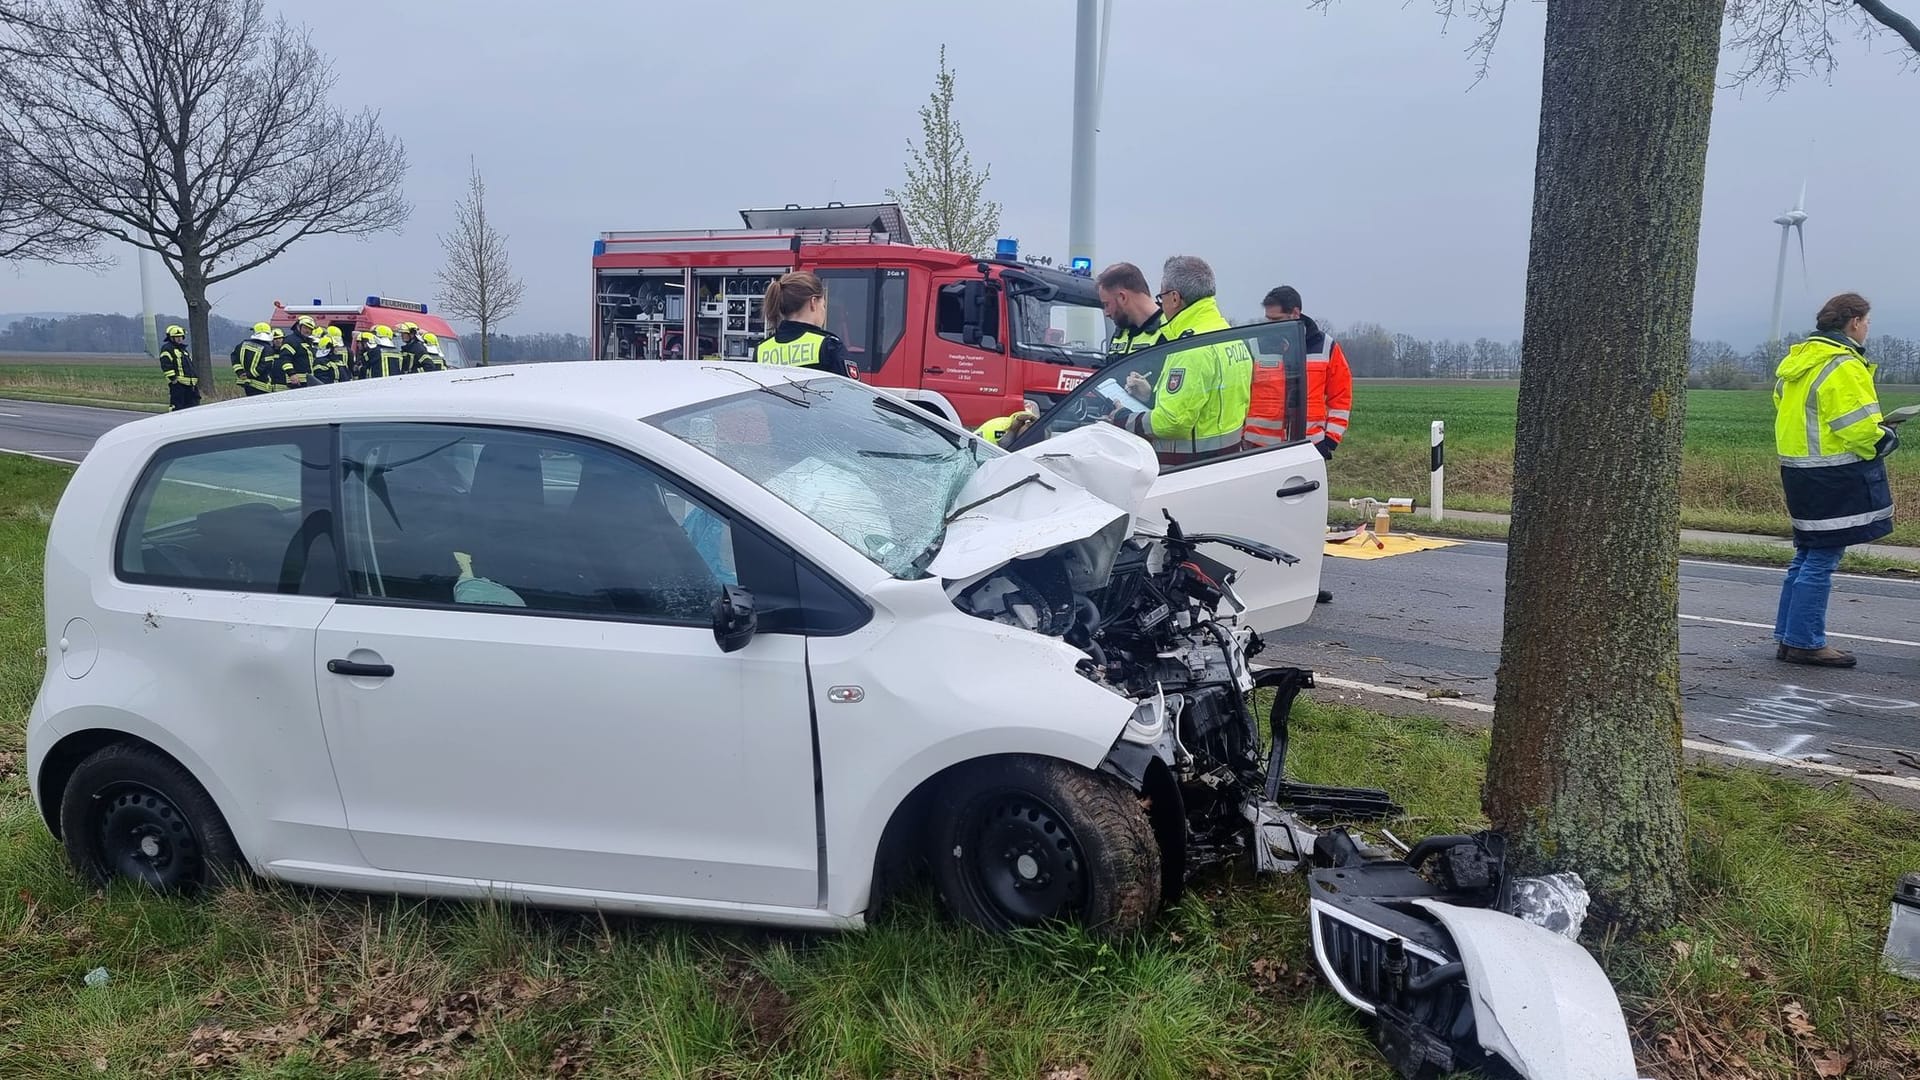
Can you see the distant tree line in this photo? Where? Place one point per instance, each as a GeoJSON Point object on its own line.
{"type": "Point", "coordinates": [122, 334]}
{"type": "Point", "coordinates": [103, 333]}
{"type": "Point", "coordinates": [1374, 352]}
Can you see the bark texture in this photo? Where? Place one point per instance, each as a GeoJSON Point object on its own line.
{"type": "Point", "coordinates": [1586, 745]}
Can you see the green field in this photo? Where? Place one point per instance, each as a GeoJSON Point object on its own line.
{"type": "Point", "coordinates": [107, 381]}
{"type": "Point", "coordinates": [1729, 480]}
{"type": "Point", "coordinates": [1776, 960]}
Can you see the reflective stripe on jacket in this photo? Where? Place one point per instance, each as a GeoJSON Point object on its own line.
{"type": "Point", "coordinates": [1826, 431]}
{"type": "Point", "coordinates": [798, 344]}
{"type": "Point", "coordinates": [176, 363]}
{"type": "Point", "coordinates": [248, 360]}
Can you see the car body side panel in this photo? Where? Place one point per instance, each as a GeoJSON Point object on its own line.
{"type": "Point", "coordinates": [994, 690]}
{"type": "Point", "coordinates": [220, 680]}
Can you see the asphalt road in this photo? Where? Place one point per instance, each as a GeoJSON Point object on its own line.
{"type": "Point", "coordinates": [1430, 621]}
{"type": "Point", "coordinates": [64, 432]}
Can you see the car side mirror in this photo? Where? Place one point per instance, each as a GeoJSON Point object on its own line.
{"type": "Point", "coordinates": [973, 312]}
{"type": "Point", "coordinates": [734, 622]}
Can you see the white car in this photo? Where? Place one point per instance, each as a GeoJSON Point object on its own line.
{"type": "Point", "coordinates": [680, 639]}
{"type": "Point", "coordinates": [735, 642]}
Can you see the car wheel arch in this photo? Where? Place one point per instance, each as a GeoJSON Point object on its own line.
{"type": "Point", "coordinates": [899, 857]}
{"type": "Point", "coordinates": [64, 757]}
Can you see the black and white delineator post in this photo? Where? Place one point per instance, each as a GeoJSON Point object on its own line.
{"type": "Point", "coordinates": [1437, 472]}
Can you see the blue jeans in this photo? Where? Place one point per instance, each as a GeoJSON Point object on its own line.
{"type": "Point", "coordinates": [1802, 621]}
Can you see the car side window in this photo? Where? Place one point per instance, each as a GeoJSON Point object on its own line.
{"type": "Point", "coordinates": [541, 523]}
{"type": "Point", "coordinates": [1204, 397]}
{"type": "Point", "coordinates": [248, 512]}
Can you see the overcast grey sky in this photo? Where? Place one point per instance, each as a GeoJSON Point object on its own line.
{"type": "Point", "coordinates": [1342, 153]}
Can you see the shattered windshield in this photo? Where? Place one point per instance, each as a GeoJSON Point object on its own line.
{"type": "Point", "coordinates": [875, 471]}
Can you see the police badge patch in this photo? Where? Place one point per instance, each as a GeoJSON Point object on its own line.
{"type": "Point", "coordinates": [1175, 378]}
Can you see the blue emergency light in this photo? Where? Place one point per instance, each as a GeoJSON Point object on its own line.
{"type": "Point", "coordinates": [1082, 266]}
{"type": "Point", "coordinates": [395, 305]}
{"type": "Point", "coordinates": [1006, 248]}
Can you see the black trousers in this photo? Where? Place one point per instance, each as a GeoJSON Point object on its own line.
{"type": "Point", "coordinates": [182, 397]}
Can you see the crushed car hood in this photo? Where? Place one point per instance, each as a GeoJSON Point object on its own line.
{"type": "Point", "coordinates": [1081, 488]}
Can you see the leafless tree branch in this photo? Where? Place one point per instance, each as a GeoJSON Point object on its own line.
{"type": "Point", "coordinates": [196, 129]}
{"type": "Point", "coordinates": [477, 281]}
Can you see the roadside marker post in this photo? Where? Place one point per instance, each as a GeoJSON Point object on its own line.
{"type": "Point", "coordinates": [1437, 472]}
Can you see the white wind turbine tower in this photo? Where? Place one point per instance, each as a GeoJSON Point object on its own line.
{"type": "Point", "coordinates": [1794, 220]}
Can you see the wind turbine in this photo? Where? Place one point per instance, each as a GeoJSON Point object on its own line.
{"type": "Point", "coordinates": [1794, 220]}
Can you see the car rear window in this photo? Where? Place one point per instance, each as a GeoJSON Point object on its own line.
{"type": "Point", "coordinates": [243, 513]}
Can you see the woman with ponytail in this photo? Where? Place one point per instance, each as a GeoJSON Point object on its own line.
{"type": "Point", "coordinates": [796, 307]}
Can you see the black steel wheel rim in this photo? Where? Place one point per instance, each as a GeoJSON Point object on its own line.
{"type": "Point", "coordinates": [1023, 862]}
{"type": "Point", "coordinates": [141, 835]}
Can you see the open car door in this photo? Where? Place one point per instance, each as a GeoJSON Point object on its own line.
{"type": "Point", "coordinates": [1275, 494]}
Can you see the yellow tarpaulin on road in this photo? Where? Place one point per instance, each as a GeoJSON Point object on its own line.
{"type": "Point", "coordinates": [1362, 547]}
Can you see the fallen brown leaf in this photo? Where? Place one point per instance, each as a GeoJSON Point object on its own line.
{"type": "Point", "coordinates": [1684, 950]}
{"type": "Point", "coordinates": [1832, 1064]}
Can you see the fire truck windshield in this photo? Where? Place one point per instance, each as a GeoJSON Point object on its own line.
{"type": "Point", "coordinates": [1055, 330]}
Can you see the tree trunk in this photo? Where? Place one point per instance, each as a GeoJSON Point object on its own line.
{"type": "Point", "coordinates": [483, 343]}
{"type": "Point", "coordinates": [215, 382]}
{"type": "Point", "coordinates": [1586, 742]}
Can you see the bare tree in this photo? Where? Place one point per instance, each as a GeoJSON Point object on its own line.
{"type": "Point", "coordinates": [196, 129]}
{"type": "Point", "coordinates": [944, 198]}
{"type": "Point", "coordinates": [477, 282]}
{"type": "Point", "coordinates": [28, 231]}
{"type": "Point", "coordinates": [1584, 772]}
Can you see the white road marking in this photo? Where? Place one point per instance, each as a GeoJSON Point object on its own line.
{"type": "Point", "coordinates": [1776, 571]}
{"type": "Point", "coordinates": [1769, 628]}
{"type": "Point", "coordinates": [10, 415]}
{"type": "Point", "coordinates": [42, 457]}
{"type": "Point", "coordinates": [1910, 783]}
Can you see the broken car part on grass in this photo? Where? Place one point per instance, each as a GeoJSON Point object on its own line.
{"type": "Point", "coordinates": [1459, 964]}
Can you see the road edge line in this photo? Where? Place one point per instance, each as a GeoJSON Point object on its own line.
{"type": "Point", "coordinates": [1910, 783]}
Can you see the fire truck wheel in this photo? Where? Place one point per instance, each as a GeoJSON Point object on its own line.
{"type": "Point", "coordinates": [1025, 841]}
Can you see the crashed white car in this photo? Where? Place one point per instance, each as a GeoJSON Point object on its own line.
{"type": "Point", "coordinates": [706, 640]}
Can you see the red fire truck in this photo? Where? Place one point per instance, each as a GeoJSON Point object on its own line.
{"type": "Point", "coordinates": [966, 337]}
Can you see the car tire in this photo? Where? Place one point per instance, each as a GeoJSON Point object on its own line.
{"type": "Point", "coordinates": [1029, 841]}
{"type": "Point", "coordinates": [131, 812]}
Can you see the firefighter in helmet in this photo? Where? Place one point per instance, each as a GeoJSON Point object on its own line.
{"type": "Point", "coordinates": [387, 359]}
{"type": "Point", "coordinates": [412, 345]}
{"type": "Point", "coordinates": [176, 363]}
{"type": "Point", "coordinates": [297, 353]}
{"type": "Point", "coordinates": [249, 361]}
{"type": "Point", "coordinates": [434, 359]}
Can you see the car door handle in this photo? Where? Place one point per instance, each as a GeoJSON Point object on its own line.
{"type": "Point", "coordinates": [359, 670]}
{"type": "Point", "coordinates": [1298, 489]}
{"type": "Point", "coordinates": [936, 371]}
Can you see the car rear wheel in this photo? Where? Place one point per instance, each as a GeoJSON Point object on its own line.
{"type": "Point", "coordinates": [1029, 841]}
{"type": "Point", "coordinates": [131, 812]}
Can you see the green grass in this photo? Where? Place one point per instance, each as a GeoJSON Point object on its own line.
{"type": "Point", "coordinates": [1729, 479]}
{"type": "Point", "coordinates": [1789, 887]}
{"type": "Point", "coordinates": [87, 384]}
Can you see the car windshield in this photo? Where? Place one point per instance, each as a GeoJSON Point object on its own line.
{"type": "Point", "coordinates": [1057, 330]}
{"type": "Point", "coordinates": [873, 470]}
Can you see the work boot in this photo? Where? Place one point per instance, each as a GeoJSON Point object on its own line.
{"type": "Point", "coordinates": [1780, 651]}
{"type": "Point", "coordinates": [1324, 598]}
{"type": "Point", "coordinates": [1827, 656]}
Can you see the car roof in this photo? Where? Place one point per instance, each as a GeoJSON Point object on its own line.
{"type": "Point", "coordinates": [587, 393]}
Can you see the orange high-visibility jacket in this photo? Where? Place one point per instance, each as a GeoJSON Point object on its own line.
{"type": "Point", "coordinates": [1329, 394]}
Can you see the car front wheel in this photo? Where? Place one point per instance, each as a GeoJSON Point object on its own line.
{"type": "Point", "coordinates": [1027, 841]}
{"type": "Point", "coordinates": [131, 812]}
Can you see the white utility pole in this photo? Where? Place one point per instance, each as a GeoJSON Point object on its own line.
{"type": "Point", "coordinates": [149, 331]}
{"type": "Point", "coordinates": [1088, 65]}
